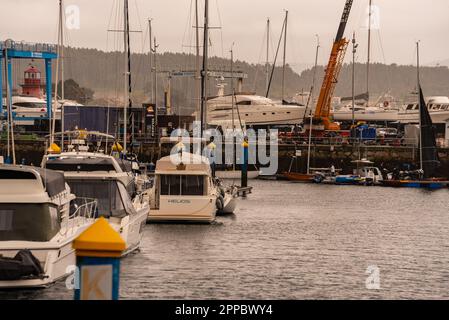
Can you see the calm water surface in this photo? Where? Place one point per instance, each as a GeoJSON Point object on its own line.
{"type": "Point", "coordinates": [295, 241]}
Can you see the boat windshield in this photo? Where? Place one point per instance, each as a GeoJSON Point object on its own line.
{"type": "Point", "coordinates": [37, 105]}
{"type": "Point", "coordinates": [112, 200]}
{"type": "Point", "coordinates": [28, 222]}
{"type": "Point", "coordinates": [181, 185]}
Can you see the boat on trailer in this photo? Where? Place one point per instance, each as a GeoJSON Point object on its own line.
{"type": "Point", "coordinates": [39, 219]}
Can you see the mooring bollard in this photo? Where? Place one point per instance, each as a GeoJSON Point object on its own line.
{"type": "Point", "coordinates": [244, 182]}
{"type": "Point", "coordinates": [98, 251]}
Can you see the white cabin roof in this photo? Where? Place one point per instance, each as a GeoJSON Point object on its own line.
{"type": "Point", "coordinates": [173, 164]}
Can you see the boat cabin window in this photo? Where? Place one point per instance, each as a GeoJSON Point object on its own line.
{"type": "Point", "coordinates": [28, 222]}
{"type": "Point", "coordinates": [222, 108]}
{"type": "Point", "coordinates": [244, 103]}
{"type": "Point", "coordinates": [31, 105]}
{"type": "Point", "coordinates": [107, 193]}
{"type": "Point", "coordinates": [181, 185]}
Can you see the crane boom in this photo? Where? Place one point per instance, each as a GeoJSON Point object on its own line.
{"type": "Point", "coordinates": [322, 111]}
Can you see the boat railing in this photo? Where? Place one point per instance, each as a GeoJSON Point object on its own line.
{"type": "Point", "coordinates": [81, 211]}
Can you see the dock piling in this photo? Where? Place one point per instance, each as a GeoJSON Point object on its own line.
{"type": "Point", "coordinates": [98, 252]}
{"type": "Point", "coordinates": [244, 178]}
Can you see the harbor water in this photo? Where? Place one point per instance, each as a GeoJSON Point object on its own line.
{"type": "Point", "coordinates": [295, 241]}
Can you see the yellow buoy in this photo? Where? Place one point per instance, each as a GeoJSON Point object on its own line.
{"type": "Point", "coordinates": [54, 148]}
{"type": "Point", "coordinates": [117, 147]}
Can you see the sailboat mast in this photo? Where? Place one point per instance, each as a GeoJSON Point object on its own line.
{"type": "Point", "coordinates": [126, 46]}
{"type": "Point", "coordinates": [267, 64]}
{"type": "Point", "coordinates": [150, 35]}
{"type": "Point", "coordinates": [310, 99]}
{"type": "Point", "coordinates": [368, 61]}
{"type": "Point", "coordinates": [198, 62]}
{"type": "Point", "coordinates": [232, 86]}
{"type": "Point", "coordinates": [11, 141]}
{"type": "Point", "coordinates": [285, 55]}
{"type": "Point", "coordinates": [156, 109]}
{"type": "Point", "coordinates": [420, 107]}
{"type": "Point", "coordinates": [61, 30]}
{"type": "Point", "coordinates": [58, 59]}
{"type": "Point", "coordinates": [205, 67]}
{"type": "Point", "coordinates": [61, 27]}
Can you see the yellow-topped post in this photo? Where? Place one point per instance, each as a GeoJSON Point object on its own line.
{"type": "Point", "coordinates": [98, 251]}
{"type": "Point", "coordinates": [245, 145]}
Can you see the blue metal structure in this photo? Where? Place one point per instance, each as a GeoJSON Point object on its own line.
{"type": "Point", "coordinates": [23, 50]}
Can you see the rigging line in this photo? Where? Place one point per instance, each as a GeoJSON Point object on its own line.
{"type": "Point", "coordinates": [389, 75]}
{"type": "Point", "coordinates": [221, 28]}
{"type": "Point", "coordinates": [109, 57]}
{"type": "Point", "coordinates": [187, 27]}
{"type": "Point", "coordinates": [272, 44]}
{"type": "Point", "coordinates": [275, 58]}
{"type": "Point", "coordinates": [117, 48]}
{"type": "Point", "coordinates": [256, 75]}
{"type": "Point", "coordinates": [137, 55]}
{"type": "Point", "coordinates": [139, 20]}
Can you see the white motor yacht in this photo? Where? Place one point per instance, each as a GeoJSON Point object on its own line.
{"type": "Point", "coordinates": [253, 110]}
{"type": "Point", "coordinates": [27, 108]}
{"type": "Point", "coordinates": [109, 180]}
{"type": "Point", "coordinates": [39, 219]}
{"type": "Point", "coordinates": [184, 190]}
{"type": "Point", "coordinates": [438, 110]}
{"type": "Point", "coordinates": [368, 114]}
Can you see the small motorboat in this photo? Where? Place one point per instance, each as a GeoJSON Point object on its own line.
{"type": "Point", "coordinates": [364, 174]}
{"type": "Point", "coordinates": [423, 184]}
{"type": "Point", "coordinates": [227, 199]}
{"type": "Point", "coordinates": [316, 177]}
{"type": "Point", "coordinates": [303, 177]}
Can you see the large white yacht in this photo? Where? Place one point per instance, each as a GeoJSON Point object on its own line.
{"type": "Point", "coordinates": [363, 113]}
{"type": "Point", "coordinates": [438, 110]}
{"type": "Point", "coordinates": [39, 219]}
{"type": "Point", "coordinates": [108, 179]}
{"type": "Point", "coordinates": [253, 110]}
{"type": "Point", "coordinates": [28, 108]}
{"type": "Point", "coordinates": [409, 113]}
{"type": "Point", "coordinates": [184, 190]}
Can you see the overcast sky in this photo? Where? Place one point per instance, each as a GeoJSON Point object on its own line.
{"type": "Point", "coordinates": [242, 22]}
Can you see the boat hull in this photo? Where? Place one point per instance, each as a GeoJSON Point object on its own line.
{"type": "Point", "coordinates": [299, 177]}
{"type": "Point", "coordinates": [131, 228]}
{"type": "Point", "coordinates": [236, 174]}
{"type": "Point", "coordinates": [387, 115]}
{"type": "Point", "coordinates": [184, 209]}
{"type": "Point", "coordinates": [54, 259]}
{"type": "Point", "coordinates": [229, 205]}
{"type": "Point", "coordinates": [433, 185]}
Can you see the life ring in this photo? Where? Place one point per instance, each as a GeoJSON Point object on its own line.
{"type": "Point", "coordinates": [219, 203]}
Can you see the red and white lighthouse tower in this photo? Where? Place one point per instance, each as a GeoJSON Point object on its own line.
{"type": "Point", "coordinates": [32, 85]}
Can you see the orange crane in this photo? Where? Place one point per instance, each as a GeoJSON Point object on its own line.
{"type": "Point", "coordinates": [322, 118]}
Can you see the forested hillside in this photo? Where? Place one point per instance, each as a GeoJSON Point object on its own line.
{"type": "Point", "coordinates": [103, 72]}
